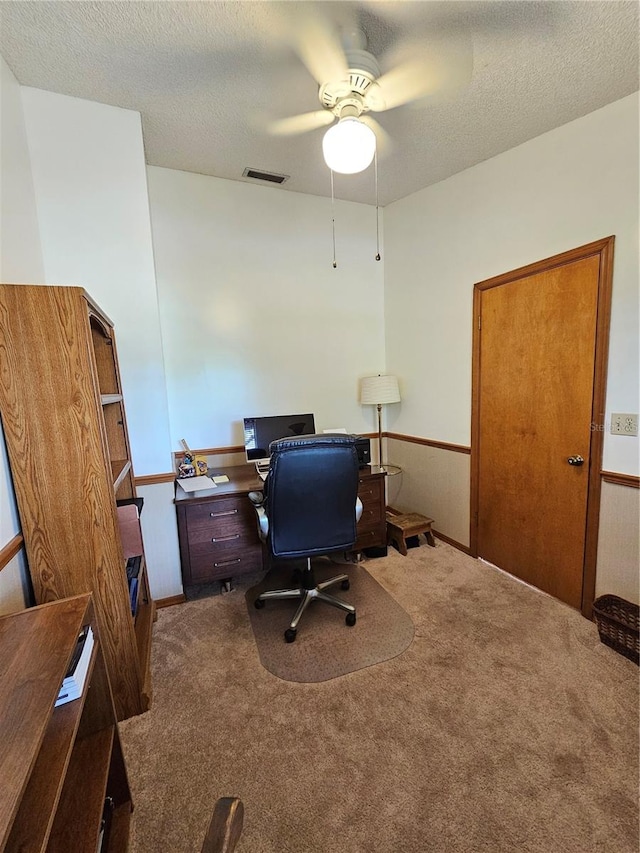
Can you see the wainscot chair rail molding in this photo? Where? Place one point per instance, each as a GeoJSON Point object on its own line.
{"type": "Point", "coordinates": [630, 480]}
{"type": "Point", "coordinates": [427, 442]}
{"type": "Point", "coordinates": [8, 551]}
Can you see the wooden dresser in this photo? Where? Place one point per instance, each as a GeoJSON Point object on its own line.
{"type": "Point", "coordinates": [217, 529]}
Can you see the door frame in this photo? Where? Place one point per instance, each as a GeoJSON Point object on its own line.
{"type": "Point", "coordinates": [604, 249]}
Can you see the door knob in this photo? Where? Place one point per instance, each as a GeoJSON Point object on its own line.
{"type": "Point", "coordinates": [575, 460]}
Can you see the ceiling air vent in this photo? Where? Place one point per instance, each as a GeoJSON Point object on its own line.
{"type": "Point", "coordinates": [259, 175]}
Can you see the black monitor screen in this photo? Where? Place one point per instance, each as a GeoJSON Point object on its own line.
{"type": "Point", "coordinates": [260, 432]}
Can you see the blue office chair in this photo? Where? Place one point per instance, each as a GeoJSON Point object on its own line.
{"type": "Point", "coordinates": [309, 507]}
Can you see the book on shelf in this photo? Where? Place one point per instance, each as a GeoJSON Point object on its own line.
{"type": "Point", "coordinates": [133, 567]}
{"type": "Point", "coordinates": [73, 683]}
{"type": "Point", "coordinates": [133, 595]}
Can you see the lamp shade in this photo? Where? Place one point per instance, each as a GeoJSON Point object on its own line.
{"type": "Point", "coordinates": [379, 389]}
{"type": "Point", "coordinates": [349, 146]}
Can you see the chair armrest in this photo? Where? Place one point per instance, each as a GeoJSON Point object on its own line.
{"type": "Point", "coordinates": [225, 827]}
{"type": "Point", "coordinates": [257, 499]}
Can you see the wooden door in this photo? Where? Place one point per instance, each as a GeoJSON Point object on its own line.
{"type": "Point", "coordinates": [538, 409]}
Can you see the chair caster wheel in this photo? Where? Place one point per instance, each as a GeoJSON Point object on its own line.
{"type": "Point", "coordinates": [345, 584]}
{"type": "Point", "coordinates": [259, 603]}
{"type": "Point", "coordinates": [290, 635]}
{"type": "Point", "coordinates": [351, 619]}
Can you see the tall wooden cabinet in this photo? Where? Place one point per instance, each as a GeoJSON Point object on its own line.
{"type": "Point", "coordinates": [64, 422]}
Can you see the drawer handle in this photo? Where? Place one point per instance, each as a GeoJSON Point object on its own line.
{"type": "Point", "coordinates": [226, 538]}
{"type": "Point", "coordinates": [220, 514]}
{"type": "Point", "coordinates": [226, 563]}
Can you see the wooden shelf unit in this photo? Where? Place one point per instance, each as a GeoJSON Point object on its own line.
{"type": "Point", "coordinates": [58, 765]}
{"type": "Point", "coordinates": [64, 420]}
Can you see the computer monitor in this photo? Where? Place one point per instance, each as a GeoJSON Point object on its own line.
{"type": "Point", "coordinates": [260, 432]}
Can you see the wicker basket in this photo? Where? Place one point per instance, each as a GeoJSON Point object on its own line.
{"type": "Point", "coordinates": [619, 625]}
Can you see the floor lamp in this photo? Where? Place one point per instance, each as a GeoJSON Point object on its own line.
{"type": "Point", "coordinates": [379, 391]}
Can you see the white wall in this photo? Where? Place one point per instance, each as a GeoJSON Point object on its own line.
{"type": "Point", "coordinates": [91, 188]}
{"type": "Point", "coordinates": [20, 250]}
{"type": "Point", "coordinates": [255, 320]}
{"type": "Point", "coordinates": [224, 299]}
{"type": "Point", "coordinates": [561, 190]}
{"type": "Point", "coordinates": [20, 262]}
{"type": "Point", "coordinates": [571, 186]}
{"type": "Point", "coordinates": [234, 259]}
{"type": "Point", "coordinates": [89, 180]}
{"type": "Point", "coordinates": [619, 542]}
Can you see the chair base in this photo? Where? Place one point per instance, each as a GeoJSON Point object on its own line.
{"type": "Point", "coordinates": [307, 592]}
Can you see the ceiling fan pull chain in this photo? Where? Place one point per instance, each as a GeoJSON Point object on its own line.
{"type": "Point", "coordinates": [333, 221]}
{"type": "Point", "coordinates": [375, 166]}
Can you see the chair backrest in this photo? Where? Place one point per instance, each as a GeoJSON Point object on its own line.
{"type": "Point", "coordinates": [311, 493]}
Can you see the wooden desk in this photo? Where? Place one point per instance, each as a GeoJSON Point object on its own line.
{"type": "Point", "coordinates": [217, 528]}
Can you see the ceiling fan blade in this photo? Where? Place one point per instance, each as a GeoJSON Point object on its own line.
{"type": "Point", "coordinates": [316, 41]}
{"type": "Point", "coordinates": [301, 123]}
{"type": "Point", "coordinates": [434, 68]}
{"type": "Point", "coordinates": [384, 144]}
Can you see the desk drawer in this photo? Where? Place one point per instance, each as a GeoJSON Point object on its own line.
{"type": "Point", "coordinates": [224, 547]}
{"type": "Point", "coordinates": [371, 494]}
{"type": "Point", "coordinates": [370, 517]}
{"type": "Point", "coordinates": [369, 490]}
{"type": "Point", "coordinates": [372, 524]}
{"type": "Point", "coordinates": [223, 563]}
{"type": "Point", "coordinates": [227, 513]}
{"type": "Point", "coordinates": [218, 538]}
{"type": "Point", "coordinates": [368, 539]}
{"type": "Point", "coordinates": [219, 530]}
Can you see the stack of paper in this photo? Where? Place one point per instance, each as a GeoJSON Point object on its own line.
{"type": "Point", "coordinates": [196, 484]}
{"type": "Point", "coordinates": [73, 683]}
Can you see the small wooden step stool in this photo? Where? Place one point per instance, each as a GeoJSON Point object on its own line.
{"type": "Point", "coordinates": [402, 526]}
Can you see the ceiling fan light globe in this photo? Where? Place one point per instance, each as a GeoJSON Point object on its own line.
{"type": "Point", "coordinates": [349, 146]}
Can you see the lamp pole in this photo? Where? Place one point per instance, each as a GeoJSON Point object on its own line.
{"type": "Point", "coordinates": [380, 434]}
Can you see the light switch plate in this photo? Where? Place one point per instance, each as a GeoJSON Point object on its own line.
{"type": "Point", "coordinates": [624, 424]}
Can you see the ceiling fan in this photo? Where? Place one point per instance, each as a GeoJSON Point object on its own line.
{"type": "Point", "coordinates": [351, 85]}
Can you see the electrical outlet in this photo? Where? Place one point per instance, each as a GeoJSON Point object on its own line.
{"type": "Point", "coordinates": [624, 424]}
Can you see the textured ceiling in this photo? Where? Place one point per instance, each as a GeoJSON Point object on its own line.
{"type": "Point", "coordinates": [207, 77]}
